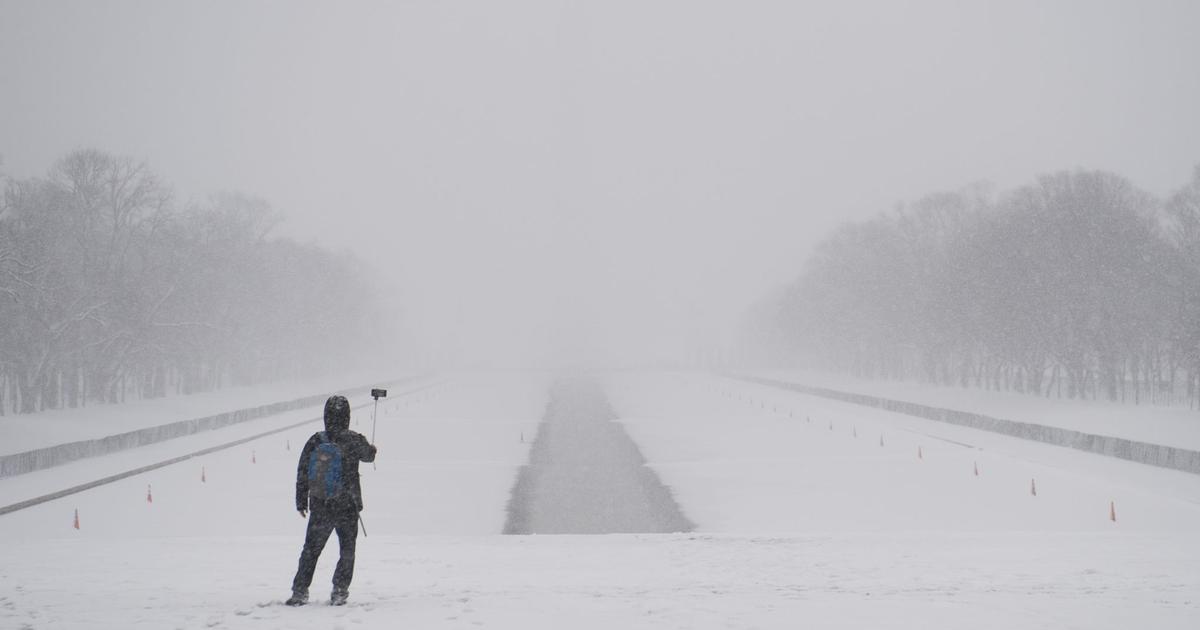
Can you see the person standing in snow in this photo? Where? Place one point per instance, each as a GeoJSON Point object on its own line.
{"type": "Point", "coordinates": [329, 494]}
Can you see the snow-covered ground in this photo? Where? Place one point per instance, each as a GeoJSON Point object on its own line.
{"type": "Point", "coordinates": [447, 457]}
{"type": "Point", "coordinates": [750, 458]}
{"type": "Point", "coordinates": [41, 482]}
{"type": "Point", "coordinates": [24, 432]}
{"type": "Point", "coordinates": [798, 525]}
{"type": "Point", "coordinates": [998, 581]}
{"type": "Point", "coordinates": [1176, 426]}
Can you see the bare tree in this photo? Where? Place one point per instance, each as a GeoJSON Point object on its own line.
{"type": "Point", "coordinates": [107, 291]}
{"type": "Point", "coordinates": [1073, 285]}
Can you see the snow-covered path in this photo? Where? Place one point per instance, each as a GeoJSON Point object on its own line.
{"type": "Point", "coordinates": [798, 525]}
{"type": "Point", "coordinates": [751, 459]}
{"type": "Point", "coordinates": [1006, 581]}
{"type": "Point", "coordinates": [1172, 425]}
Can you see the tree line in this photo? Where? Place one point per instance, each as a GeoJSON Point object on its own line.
{"type": "Point", "coordinates": [110, 289]}
{"type": "Point", "coordinates": [1078, 285]}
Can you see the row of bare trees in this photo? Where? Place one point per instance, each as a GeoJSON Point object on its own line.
{"type": "Point", "coordinates": [109, 289]}
{"type": "Point", "coordinates": [1078, 285]}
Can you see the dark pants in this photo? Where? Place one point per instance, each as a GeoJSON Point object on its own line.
{"type": "Point", "coordinates": [323, 520]}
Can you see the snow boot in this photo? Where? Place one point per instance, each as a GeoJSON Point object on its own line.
{"type": "Point", "coordinates": [298, 598]}
{"type": "Point", "coordinates": [338, 597]}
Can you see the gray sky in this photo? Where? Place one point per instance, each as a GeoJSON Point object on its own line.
{"type": "Point", "coordinates": [634, 174]}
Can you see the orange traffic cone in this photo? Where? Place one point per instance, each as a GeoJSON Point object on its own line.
{"type": "Point", "coordinates": [1112, 511]}
{"type": "Point", "coordinates": [76, 518]}
{"type": "Point", "coordinates": [203, 476]}
{"type": "Point", "coordinates": [149, 496]}
{"type": "Point", "coordinates": [1033, 487]}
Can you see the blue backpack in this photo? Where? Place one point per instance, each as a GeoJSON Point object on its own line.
{"type": "Point", "coordinates": [325, 470]}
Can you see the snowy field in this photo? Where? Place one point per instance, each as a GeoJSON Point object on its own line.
{"type": "Point", "coordinates": [803, 519]}
{"type": "Point", "coordinates": [24, 432]}
{"type": "Point", "coordinates": [78, 472]}
{"type": "Point", "coordinates": [1175, 425]}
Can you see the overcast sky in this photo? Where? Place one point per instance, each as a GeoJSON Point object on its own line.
{"type": "Point", "coordinates": [632, 174]}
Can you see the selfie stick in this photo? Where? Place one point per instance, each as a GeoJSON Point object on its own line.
{"type": "Point", "coordinates": [376, 394]}
{"type": "Point", "coordinates": [373, 412]}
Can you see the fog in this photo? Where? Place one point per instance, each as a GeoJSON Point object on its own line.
{"type": "Point", "coordinates": [654, 313]}
{"type": "Point", "coordinates": [610, 182]}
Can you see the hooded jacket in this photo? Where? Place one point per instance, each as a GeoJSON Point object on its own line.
{"type": "Point", "coordinates": [354, 447]}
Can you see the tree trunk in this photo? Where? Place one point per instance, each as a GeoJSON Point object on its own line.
{"type": "Point", "coordinates": [28, 393]}
{"type": "Point", "coordinates": [49, 385]}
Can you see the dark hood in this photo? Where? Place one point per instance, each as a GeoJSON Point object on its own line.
{"type": "Point", "coordinates": [337, 415]}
